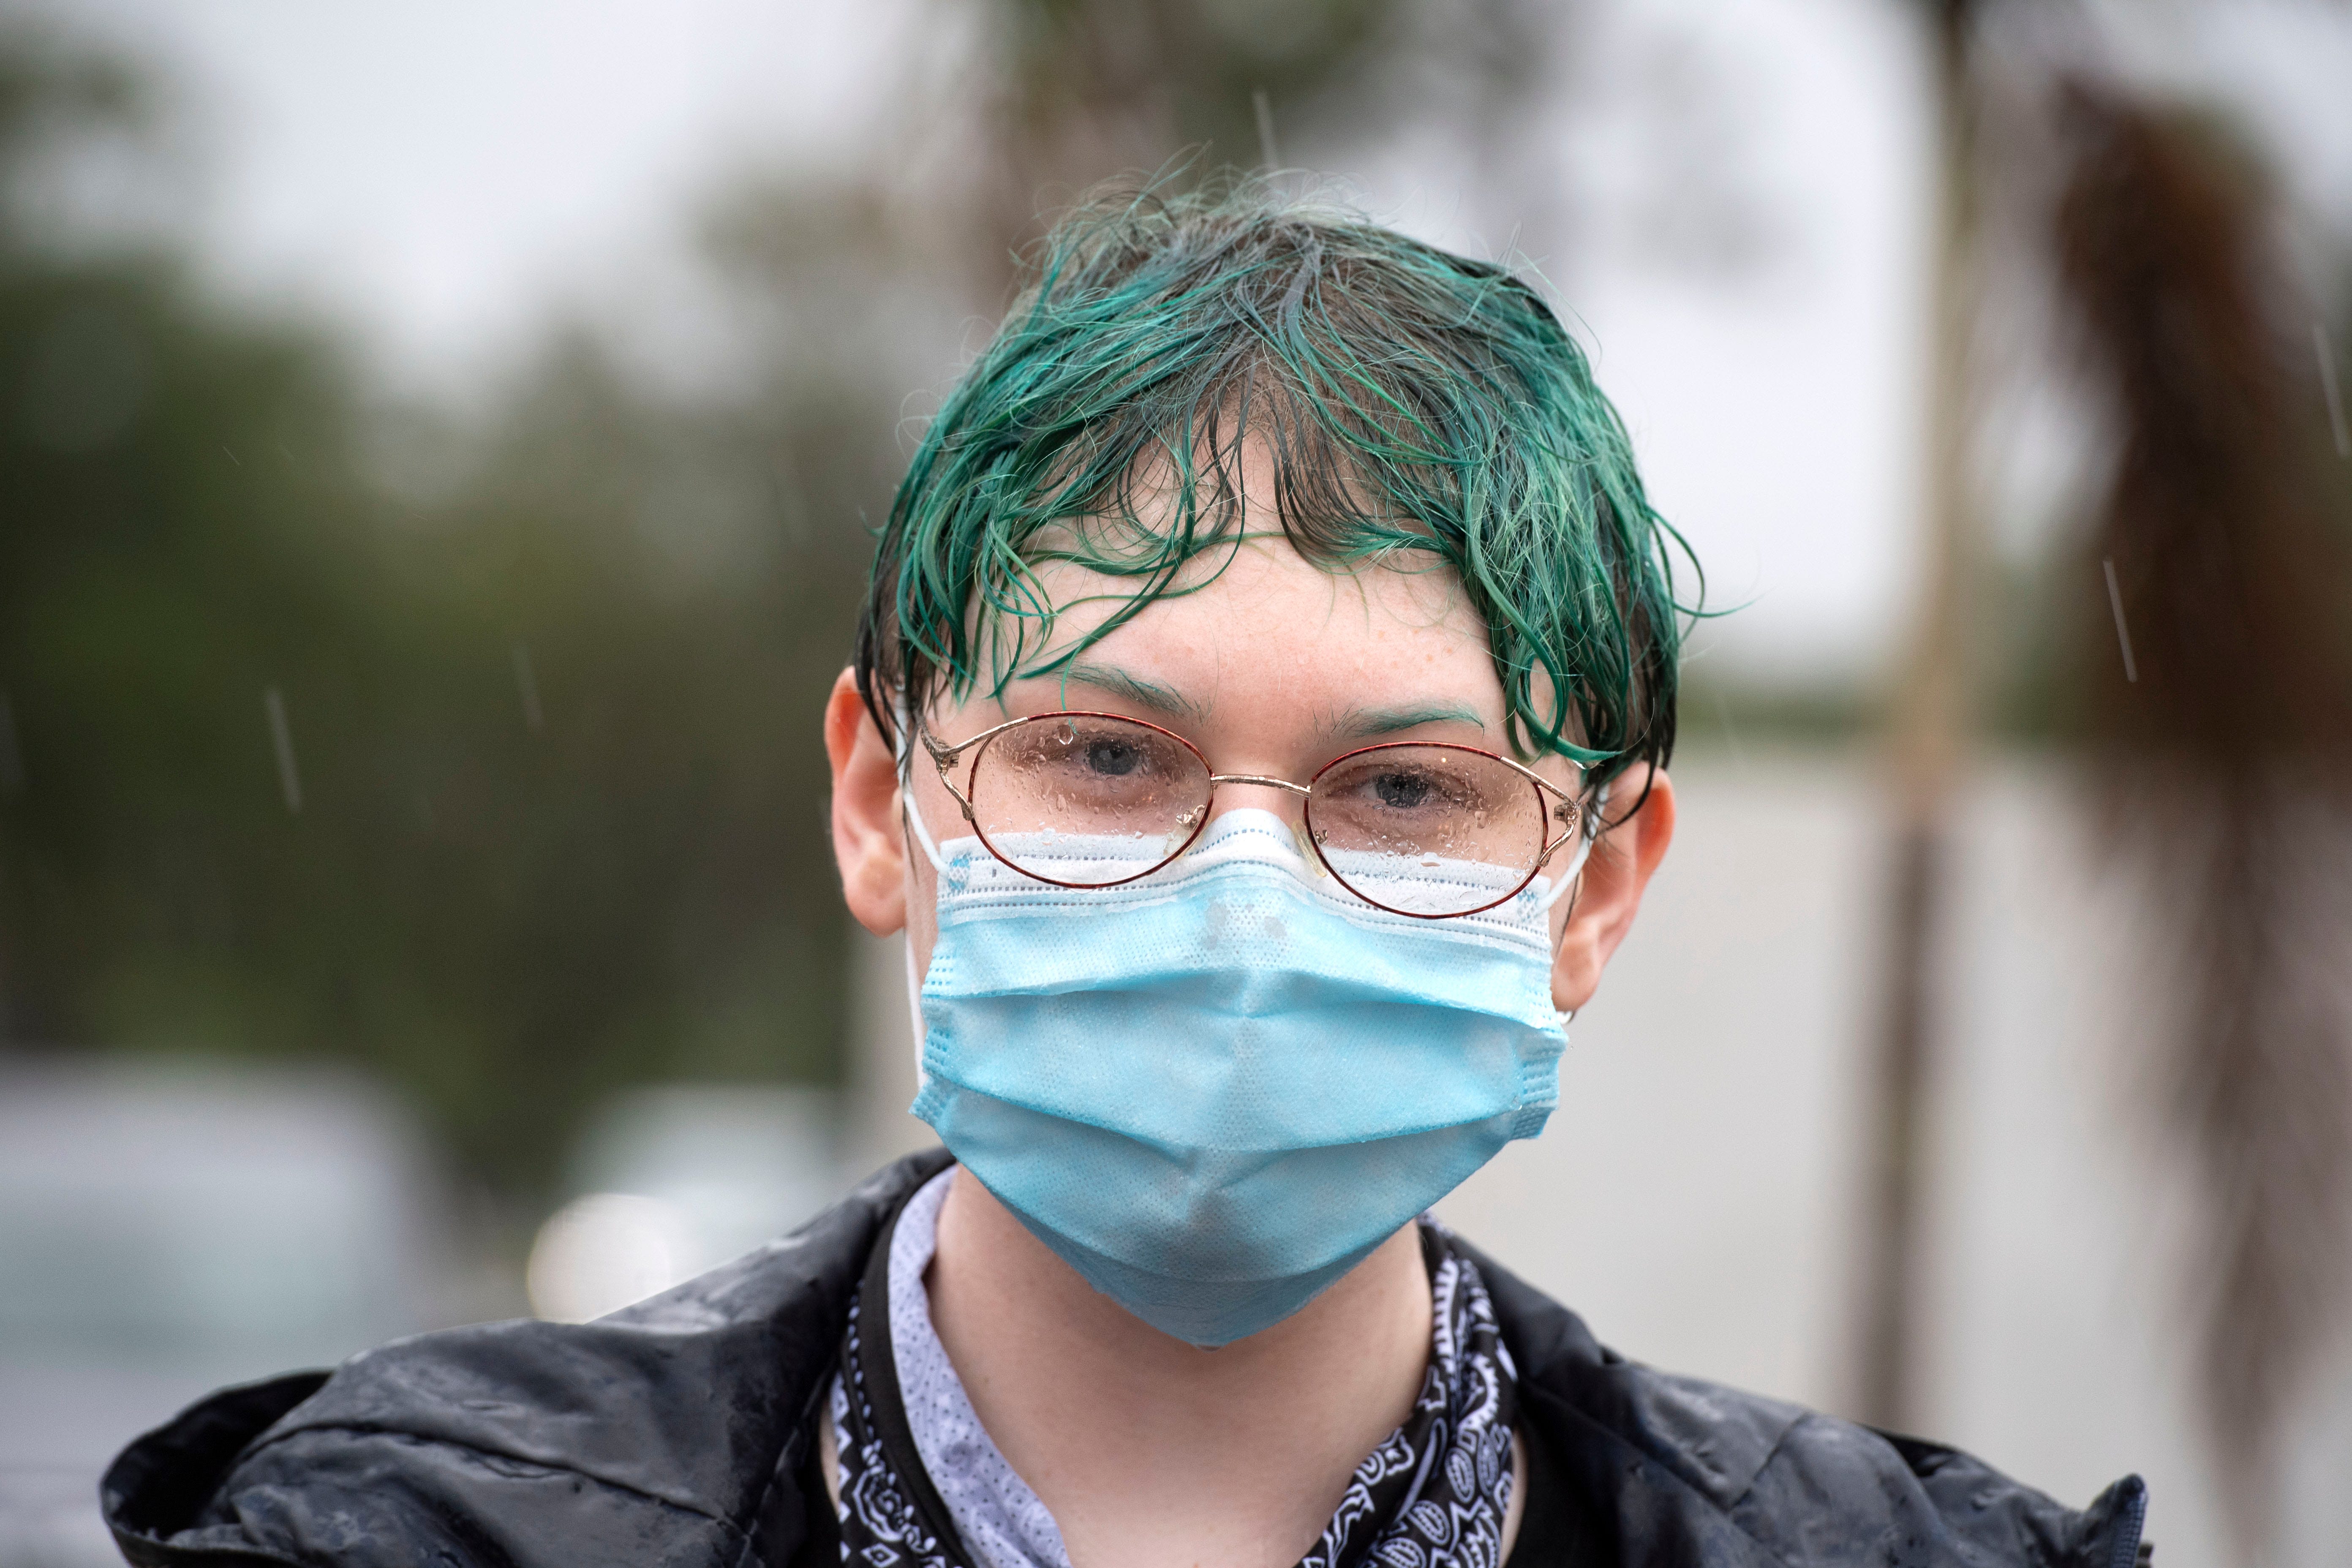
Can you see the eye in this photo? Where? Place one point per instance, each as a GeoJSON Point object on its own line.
{"type": "Point", "coordinates": [1401, 791]}
{"type": "Point", "coordinates": [1113, 759]}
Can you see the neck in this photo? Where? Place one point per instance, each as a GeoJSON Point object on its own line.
{"type": "Point", "coordinates": [1156, 1454]}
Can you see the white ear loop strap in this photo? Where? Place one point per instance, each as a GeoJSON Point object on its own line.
{"type": "Point", "coordinates": [1588, 833]}
{"type": "Point", "coordinates": [906, 756]}
{"type": "Point", "coordinates": [1572, 876]}
{"type": "Point", "coordinates": [923, 833]}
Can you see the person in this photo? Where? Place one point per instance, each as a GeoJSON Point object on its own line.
{"type": "Point", "coordinates": [1258, 727]}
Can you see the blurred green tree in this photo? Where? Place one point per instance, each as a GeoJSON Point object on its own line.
{"type": "Point", "coordinates": [555, 814]}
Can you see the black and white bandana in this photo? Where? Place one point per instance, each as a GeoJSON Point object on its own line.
{"type": "Point", "coordinates": [1432, 1496]}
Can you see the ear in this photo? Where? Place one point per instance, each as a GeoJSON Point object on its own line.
{"type": "Point", "coordinates": [1615, 876]}
{"type": "Point", "coordinates": [869, 842]}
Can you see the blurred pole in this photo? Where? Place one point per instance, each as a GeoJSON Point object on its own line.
{"type": "Point", "coordinates": [1927, 730]}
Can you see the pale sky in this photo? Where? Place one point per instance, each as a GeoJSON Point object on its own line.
{"type": "Point", "coordinates": [444, 175]}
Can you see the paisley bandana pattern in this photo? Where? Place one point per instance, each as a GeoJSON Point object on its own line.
{"type": "Point", "coordinates": [880, 1525]}
{"type": "Point", "coordinates": [1432, 1496]}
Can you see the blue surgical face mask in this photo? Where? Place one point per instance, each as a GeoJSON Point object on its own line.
{"type": "Point", "coordinates": [1214, 1091]}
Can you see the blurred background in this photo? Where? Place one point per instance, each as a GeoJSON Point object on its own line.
{"type": "Point", "coordinates": [437, 450]}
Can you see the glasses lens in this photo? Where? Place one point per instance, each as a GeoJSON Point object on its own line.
{"type": "Point", "coordinates": [1427, 830]}
{"type": "Point", "coordinates": [1088, 800]}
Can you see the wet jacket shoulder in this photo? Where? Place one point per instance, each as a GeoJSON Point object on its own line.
{"type": "Point", "coordinates": [682, 1432]}
{"type": "Point", "coordinates": [674, 1432]}
{"type": "Point", "coordinates": [1667, 1469]}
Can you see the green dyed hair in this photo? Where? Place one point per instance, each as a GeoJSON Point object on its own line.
{"type": "Point", "coordinates": [1421, 409]}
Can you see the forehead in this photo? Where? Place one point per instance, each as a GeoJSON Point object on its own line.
{"type": "Point", "coordinates": [1252, 584]}
{"type": "Point", "coordinates": [1245, 588]}
{"type": "Point", "coordinates": [1258, 613]}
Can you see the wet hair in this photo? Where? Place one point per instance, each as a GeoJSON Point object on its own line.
{"type": "Point", "coordinates": [1423, 410]}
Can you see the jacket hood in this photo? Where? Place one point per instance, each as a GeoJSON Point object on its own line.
{"type": "Point", "coordinates": [680, 1431]}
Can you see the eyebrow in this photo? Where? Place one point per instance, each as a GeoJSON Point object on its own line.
{"type": "Point", "coordinates": [1164, 701]}
{"type": "Point", "coordinates": [1356, 723]}
{"type": "Point", "coordinates": [1362, 722]}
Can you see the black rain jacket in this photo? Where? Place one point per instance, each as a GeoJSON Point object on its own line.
{"type": "Point", "coordinates": [682, 1431]}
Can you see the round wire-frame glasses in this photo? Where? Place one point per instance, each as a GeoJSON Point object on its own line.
{"type": "Point", "coordinates": [1400, 801]}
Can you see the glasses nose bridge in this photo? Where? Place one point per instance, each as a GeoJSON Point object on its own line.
{"type": "Point", "coordinates": [1298, 792]}
{"type": "Point", "coordinates": [1260, 781]}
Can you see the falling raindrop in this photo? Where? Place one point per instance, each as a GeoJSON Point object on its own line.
{"type": "Point", "coordinates": [1730, 730]}
{"type": "Point", "coordinates": [2123, 632]}
{"type": "Point", "coordinates": [528, 684]}
{"type": "Point", "coordinates": [12, 754]}
{"type": "Point", "coordinates": [289, 779]}
{"type": "Point", "coordinates": [2335, 394]}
